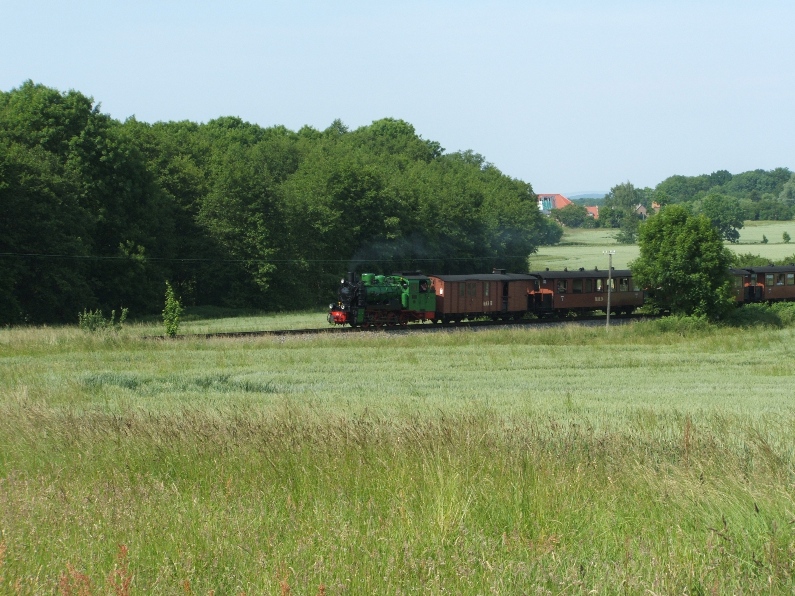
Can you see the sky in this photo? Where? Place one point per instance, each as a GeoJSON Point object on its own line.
{"type": "Point", "coordinates": [571, 96]}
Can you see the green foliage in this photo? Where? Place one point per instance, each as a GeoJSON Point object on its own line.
{"type": "Point", "coordinates": [82, 212]}
{"type": "Point", "coordinates": [786, 237]}
{"type": "Point", "coordinates": [94, 320]}
{"type": "Point", "coordinates": [628, 229]}
{"type": "Point", "coordinates": [763, 195]}
{"type": "Point", "coordinates": [787, 195]}
{"type": "Point", "coordinates": [744, 260]}
{"type": "Point", "coordinates": [172, 312]}
{"type": "Point", "coordinates": [236, 214]}
{"type": "Point", "coordinates": [684, 264]}
{"type": "Point", "coordinates": [764, 239]}
{"type": "Point", "coordinates": [778, 314]}
{"type": "Point", "coordinates": [725, 213]}
{"type": "Point", "coordinates": [623, 210]}
{"type": "Point", "coordinates": [682, 324]}
{"type": "Point", "coordinates": [572, 216]}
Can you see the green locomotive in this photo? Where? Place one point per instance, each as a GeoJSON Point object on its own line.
{"type": "Point", "coordinates": [383, 300]}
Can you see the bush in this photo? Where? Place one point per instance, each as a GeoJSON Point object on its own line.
{"type": "Point", "coordinates": [778, 314]}
{"type": "Point", "coordinates": [682, 324]}
{"type": "Point", "coordinates": [785, 312]}
{"type": "Point", "coordinates": [94, 320]}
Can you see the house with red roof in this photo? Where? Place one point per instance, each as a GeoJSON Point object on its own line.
{"type": "Point", "coordinates": [547, 203]}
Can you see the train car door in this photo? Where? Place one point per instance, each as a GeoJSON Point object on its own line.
{"type": "Point", "coordinates": [472, 297]}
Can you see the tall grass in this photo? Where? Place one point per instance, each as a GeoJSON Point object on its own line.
{"type": "Point", "coordinates": [647, 459]}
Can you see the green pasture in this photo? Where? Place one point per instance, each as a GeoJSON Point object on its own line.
{"type": "Point", "coordinates": [657, 458]}
{"type": "Point", "coordinates": [254, 322]}
{"type": "Point", "coordinates": [586, 247]}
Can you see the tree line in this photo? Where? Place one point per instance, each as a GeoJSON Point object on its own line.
{"type": "Point", "coordinates": [726, 199]}
{"type": "Point", "coordinates": [99, 214]}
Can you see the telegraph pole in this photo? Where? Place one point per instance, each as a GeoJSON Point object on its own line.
{"type": "Point", "coordinates": [609, 254]}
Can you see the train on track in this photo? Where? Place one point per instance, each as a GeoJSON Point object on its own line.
{"type": "Point", "coordinates": [373, 300]}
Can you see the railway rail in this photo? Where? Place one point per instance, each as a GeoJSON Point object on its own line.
{"type": "Point", "coordinates": [413, 328]}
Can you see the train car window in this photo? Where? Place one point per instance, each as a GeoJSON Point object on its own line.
{"type": "Point", "coordinates": [768, 279]}
{"type": "Point", "coordinates": [612, 284]}
{"type": "Point", "coordinates": [576, 286]}
{"type": "Point", "coordinates": [486, 287]}
{"type": "Point", "coordinates": [790, 279]}
{"type": "Point", "coordinates": [738, 281]}
{"type": "Point", "coordinates": [780, 279]}
{"type": "Point", "coordinates": [623, 284]}
{"type": "Point", "coordinates": [600, 285]}
{"type": "Point", "coordinates": [588, 286]}
{"type": "Point", "coordinates": [562, 285]}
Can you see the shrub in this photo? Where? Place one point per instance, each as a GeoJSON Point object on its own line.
{"type": "Point", "coordinates": [682, 324]}
{"type": "Point", "coordinates": [172, 312]}
{"type": "Point", "coordinates": [778, 314]}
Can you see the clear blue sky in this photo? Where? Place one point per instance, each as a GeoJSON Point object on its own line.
{"type": "Point", "coordinates": [569, 95]}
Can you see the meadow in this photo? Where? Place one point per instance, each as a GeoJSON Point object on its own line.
{"type": "Point", "coordinates": [586, 247]}
{"type": "Point", "coordinates": [654, 458]}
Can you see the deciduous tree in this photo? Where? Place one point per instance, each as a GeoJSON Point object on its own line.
{"type": "Point", "coordinates": [725, 213]}
{"type": "Point", "coordinates": [684, 264]}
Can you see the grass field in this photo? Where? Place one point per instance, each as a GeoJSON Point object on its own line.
{"type": "Point", "coordinates": [657, 458]}
{"type": "Point", "coordinates": [585, 248]}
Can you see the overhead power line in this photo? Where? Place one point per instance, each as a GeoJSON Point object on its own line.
{"type": "Point", "coordinates": [260, 261]}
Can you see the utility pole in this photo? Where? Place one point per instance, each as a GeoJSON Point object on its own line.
{"type": "Point", "coordinates": [609, 254]}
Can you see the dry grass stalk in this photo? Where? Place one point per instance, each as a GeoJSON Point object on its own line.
{"type": "Point", "coordinates": [74, 583]}
{"type": "Point", "coordinates": [121, 578]}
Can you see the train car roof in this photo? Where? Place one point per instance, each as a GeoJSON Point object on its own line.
{"type": "Point", "coordinates": [583, 274]}
{"type": "Point", "coordinates": [771, 269]}
{"type": "Point", "coordinates": [487, 277]}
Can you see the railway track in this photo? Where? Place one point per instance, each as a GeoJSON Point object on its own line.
{"type": "Point", "coordinates": [411, 328]}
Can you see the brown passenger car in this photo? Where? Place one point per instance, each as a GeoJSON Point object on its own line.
{"type": "Point", "coordinates": [496, 295]}
{"type": "Point", "coordinates": [583, 291]}
{"type": "Point", "coordinates": [766, 284]}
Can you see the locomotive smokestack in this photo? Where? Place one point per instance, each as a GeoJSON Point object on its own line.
{"type": "Point", "coordinates": [351, 277]}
